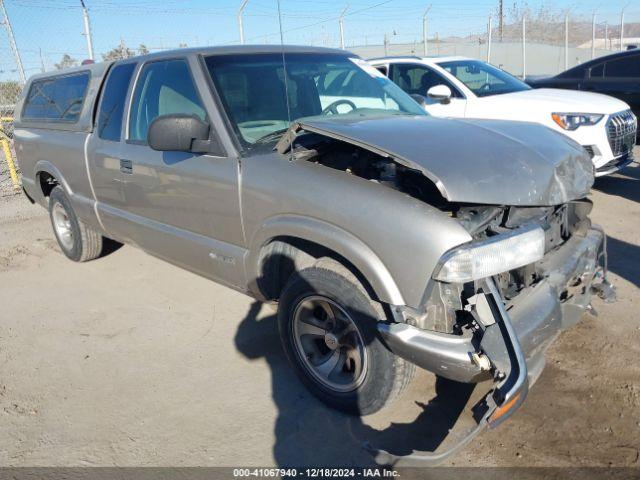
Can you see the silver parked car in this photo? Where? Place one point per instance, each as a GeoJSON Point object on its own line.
{"type": "Point", "coordinates": [389, 239]}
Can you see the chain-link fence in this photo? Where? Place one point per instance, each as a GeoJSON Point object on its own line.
{"type": "Point", "coordinates": [524, 42]}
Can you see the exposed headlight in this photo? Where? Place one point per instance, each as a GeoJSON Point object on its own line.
{"type": "Point", "coordinates": [498, 254]}
{"type": "Point", "coordinates": [571, 121]}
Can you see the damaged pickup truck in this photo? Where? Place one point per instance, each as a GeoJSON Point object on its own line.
{"type": "Point", "coordinates": [388, 238]}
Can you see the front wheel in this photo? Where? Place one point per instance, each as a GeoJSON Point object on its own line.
{"type": "Point", "coordinates": [327, 325]}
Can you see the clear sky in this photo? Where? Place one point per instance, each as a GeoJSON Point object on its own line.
{"type": "Point", "coordinates": [54, 27]}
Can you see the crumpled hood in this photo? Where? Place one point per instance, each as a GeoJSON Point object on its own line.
{"type": "Point", "coordinates": [473, 161]}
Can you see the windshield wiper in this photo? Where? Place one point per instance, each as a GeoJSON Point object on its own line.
{"type": "Point", "coordinates": [272, 136]}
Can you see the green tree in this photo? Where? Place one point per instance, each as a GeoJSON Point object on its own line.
{"type": "Point", "coordinates": [66, 62]}
{"type": "Point", "coordinates": [142, 49]}
{"type": "Point", "coordinates": [118, 53]}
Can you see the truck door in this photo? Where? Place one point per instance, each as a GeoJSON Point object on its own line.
{"type": "Point", "coordinates": [181, 206]}
{"type": "Point", "coordinates": [104, 147]}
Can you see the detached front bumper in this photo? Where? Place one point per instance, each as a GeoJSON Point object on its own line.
{"type": "Point", "coordinates": [615, 165]}
{"type": "Point", "coordinates": [513, 336]}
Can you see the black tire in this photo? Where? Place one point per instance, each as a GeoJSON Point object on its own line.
{"type": "Point", "coordinates": [386, 376]}
{"type": "Point", "coordinates": [85, 243]}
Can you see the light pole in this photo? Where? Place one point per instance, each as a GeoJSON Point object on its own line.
{"type": "Point", "coordinates": [240, 26]}
{"type": "Point", "coordinates": [12, 44]}
{"type": "Point", "coordinates": [87, 30]}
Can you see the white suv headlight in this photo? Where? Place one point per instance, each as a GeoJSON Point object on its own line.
{"type": "Point", "coordinates": [571, 121]}
{"type": "Point", "coordinates": [498, 254]}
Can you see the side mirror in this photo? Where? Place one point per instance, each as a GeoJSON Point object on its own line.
{"type": "Point", "coordinates": [419, 99]}
{"type": "Point", "coordinates": [441, 93]}
{"type": "Point", "coordinates": [179, 133]}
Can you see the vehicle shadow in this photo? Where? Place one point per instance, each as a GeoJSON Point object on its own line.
{"type": "Point", "coordinates": [624, 259]}
{"type": "Point", "coordinates": [625, 183]}
{"type": "Point", "coordinates": [308, 433]}
{"type": "Point", "coordinates": [109, 246]}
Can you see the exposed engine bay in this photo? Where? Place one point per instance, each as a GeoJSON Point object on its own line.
{"type": "Point", "coordinates": [369, 165]}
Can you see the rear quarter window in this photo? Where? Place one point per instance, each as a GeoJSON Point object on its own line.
{"type": "Point", "coordinates": [597, 71]}
{"type": "Point", "coordinates": [57, 99]}
{"type": "Point", "coordinates": [625, 67]}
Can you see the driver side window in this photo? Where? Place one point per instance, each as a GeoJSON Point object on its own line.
{"type": "Point", "coordinates": [418, 79]}
{"type": "Point", "coordinates": [476, 78]}
{"type": "Point", "coordinates": [164, 88]}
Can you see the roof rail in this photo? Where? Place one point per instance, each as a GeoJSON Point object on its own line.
{"type": "Point", "coordinates": [415, 57]}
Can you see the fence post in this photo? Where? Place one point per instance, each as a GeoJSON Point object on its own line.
{"type": "Point", "coordinates": [424, 29]}
{"type": "Point", "coordinates": [524, 47]}
{"type": "Point", "coordinates": [42, 69]}
{"type": "Point", "coordinates": [566, 41]}
{"type": "Point", "coordinates": [489, 40]}
{"type": "Point", "coordinates": [593, 35]}
{"type": "Point", "coordinates": [621, 29]}
{"type": "Point", "coordinates": [341, 24]}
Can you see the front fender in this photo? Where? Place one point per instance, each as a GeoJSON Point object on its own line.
{"type": "Point", "coordinates": [393, 239]}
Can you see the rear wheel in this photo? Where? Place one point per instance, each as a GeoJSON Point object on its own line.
{"type": "Point", "coordinates": [327, 325]}
{"type": "Point", "coordinates": [78, 241]}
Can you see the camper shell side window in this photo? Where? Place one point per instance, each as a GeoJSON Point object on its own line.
{"type": "Point", "coordinates": [56, 99]}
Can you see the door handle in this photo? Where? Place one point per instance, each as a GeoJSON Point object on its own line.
{"type": "Point", "coordinates": [126, 166]}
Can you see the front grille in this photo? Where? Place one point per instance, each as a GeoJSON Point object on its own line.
{"type": "Point", "coordinates": [621, 130]}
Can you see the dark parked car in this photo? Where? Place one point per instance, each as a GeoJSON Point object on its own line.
{"type": "Point", "coordinates": [617, 75]}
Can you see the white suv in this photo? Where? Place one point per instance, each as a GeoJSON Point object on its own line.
{"type": "Point", "coordinates": [463, 87]}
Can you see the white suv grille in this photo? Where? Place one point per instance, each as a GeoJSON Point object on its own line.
{"type": "Point", "coordinates": [621, 130]}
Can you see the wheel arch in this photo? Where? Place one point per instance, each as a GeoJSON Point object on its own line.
{"type": "Point", "coordinates": [43, 169]}
{"type": "Point", "coordinates": [302, 240]}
